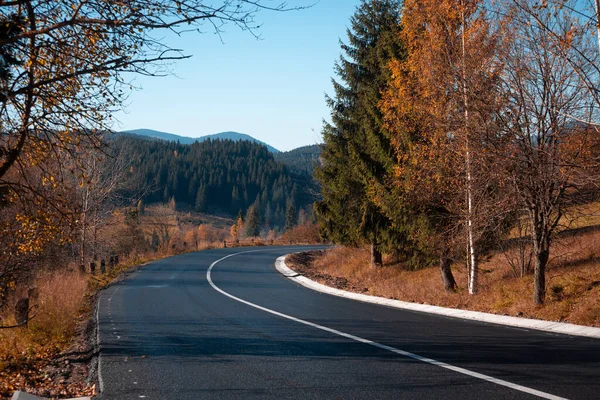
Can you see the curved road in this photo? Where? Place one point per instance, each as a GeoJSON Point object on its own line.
{"type": "Point", "coordinates": [224, 324]}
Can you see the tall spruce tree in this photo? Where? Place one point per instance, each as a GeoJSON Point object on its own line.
{"type": "Point", "coordinates": [291, 217]}
{"type": "Point", "coordinates": [358, 157]}
{"type": "Point", "coordinates": [253, 220]}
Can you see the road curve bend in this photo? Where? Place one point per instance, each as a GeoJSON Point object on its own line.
{"type": "Point", "coordinates": [223, 323]}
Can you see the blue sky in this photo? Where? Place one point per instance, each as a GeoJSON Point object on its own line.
{"type": "Point", "coordinates": [272, 89]}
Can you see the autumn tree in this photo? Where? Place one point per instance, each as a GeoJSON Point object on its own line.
{"type": "Point", "coordinates": [65, 66]}
{"type": "Point", "coordinates": [439, 106]}
{"type": "Point", "coordinates": [547, 118]}
{"type": "Point", "coordinates": [97, 187]}
{"type": "Point", "coordinates": [574, 31]}
{"type": "Point", "coordinates": [236, 230]}
{"type": "Point", "coordinates": [33, 227]}
{"type": "Point", "coordinates": [357, 156]}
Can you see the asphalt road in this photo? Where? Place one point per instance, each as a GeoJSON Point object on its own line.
{"type": "Point", "coordinates": [172, 331]}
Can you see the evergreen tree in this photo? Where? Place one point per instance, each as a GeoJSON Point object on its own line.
{"type": "Point", "coordinates": [357, 153]}
{"type": "Point", "coordinates": [200, 205]}
{"type": "Point", "coordinates": [291, 217]}
{"type": "Point", "coordinates": [219, 176]}
{"type": "Point", "coordinates": [253, 221]}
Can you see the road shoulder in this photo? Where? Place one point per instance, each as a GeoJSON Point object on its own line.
{"type": "Point", "coordinates": [527, 323]}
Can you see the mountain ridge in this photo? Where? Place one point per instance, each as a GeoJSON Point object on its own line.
{"type": "Point", "coordinates": [171, 137]}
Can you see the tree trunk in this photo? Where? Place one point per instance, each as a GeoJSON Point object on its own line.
{"type": "Point", "coordinates": [446, 270]}
{"type": "Point", "coordinates": [472, 264]}
{"type": "Point", "coordinates": [83, 237]}
{"type": "Point", "coordinates": [376, 258]}
{"type": "Point", "coordinates": [95, 239]}
{"type": "Point", "coordinates": [542, 253]}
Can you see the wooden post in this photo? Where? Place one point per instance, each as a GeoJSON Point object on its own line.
{"type": "Point", "coordinates": [102, 267]}
{"type": "Point", "coordinates": [92, 268]}
{"type": "Point", "coordinates": [224, 244]}
{"type": "Point", "coordinates": [82, 269]}
{"type": "Point", "coordinates": [22, 311]}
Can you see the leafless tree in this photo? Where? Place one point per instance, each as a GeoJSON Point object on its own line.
{"type": "Point", "coordinates": [98, 191]}
{"type": "Point", "coordinates": [550, 151]}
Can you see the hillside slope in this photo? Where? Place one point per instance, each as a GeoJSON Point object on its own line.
{"type": "Point", "coordinates": [171, 137]}
{"type": "Point", "coordinates": [301, 160]}
{"type": "Point", "coordinates": [216, 176]}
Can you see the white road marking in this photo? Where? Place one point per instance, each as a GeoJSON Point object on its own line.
{"type": "Point", "coordinates": [100, 380]}
{"type": "Point", "coordinates": [111, 296]}
{"type": "Point", "coordinates": [431, 361]}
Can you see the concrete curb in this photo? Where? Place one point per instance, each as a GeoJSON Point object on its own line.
{"type": "Point", "coordinates": [547, 326]}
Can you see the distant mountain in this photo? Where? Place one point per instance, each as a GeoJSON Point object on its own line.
{"type": "Point", "coordinates": [235, 136]}
{"type": "Point", "coordinates": [301, 160]}
{"type": "Point", "coordinates": [216, 177]}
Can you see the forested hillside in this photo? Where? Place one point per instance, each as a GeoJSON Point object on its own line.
{"type": "Point", "coordinates": [215, 176]}
{"type": "Point", "coordinates": [301, 160]}
{"type": "Point", "coordinates": [235, 136]}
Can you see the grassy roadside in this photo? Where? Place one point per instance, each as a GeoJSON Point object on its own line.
{"type": "Point", "coordinates": [52, 356]}
{"type": "Point", "coordinates": [573, 281]}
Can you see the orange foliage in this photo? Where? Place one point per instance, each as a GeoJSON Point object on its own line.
{"type": "Point", "coordinates": [424, 104]}
{"type": "Point", "coordinates": [306, 233]}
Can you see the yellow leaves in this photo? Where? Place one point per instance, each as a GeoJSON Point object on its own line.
{"type": "Point", "coordinates": [34, 233]}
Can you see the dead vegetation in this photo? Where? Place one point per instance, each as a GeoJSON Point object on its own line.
{"type": "Point", "coordinates": [51, 355]}
{"type": "Point", "coordinates": [42, 358]}
{"type": "Point", "coordinates": [573, 280]}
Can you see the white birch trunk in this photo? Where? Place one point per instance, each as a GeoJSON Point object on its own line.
{"type": "Point", "coordinates": [471, 247]}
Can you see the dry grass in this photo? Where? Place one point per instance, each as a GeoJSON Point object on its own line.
{"type": "Point", "coordinates": [25, 353]}
{"type": "Point", "coordinates": [65, 299]}
{"type": "Point", "coordinates": [60, 299]}
{"type": "Point", "coordinates": [573, 282]}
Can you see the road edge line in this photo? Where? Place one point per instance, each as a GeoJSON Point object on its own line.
{"type": "Point", "coordinates": [441, 364]}
{"type": "Point", "coordinates": [505, 320]}
{"type": "Point", "coordinates": [98, 348]}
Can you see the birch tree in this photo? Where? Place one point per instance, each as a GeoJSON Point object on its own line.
{"type": "Point", "coordinates": [439, 107]}
{"type": "Point", "coordinates": [102, 175]}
